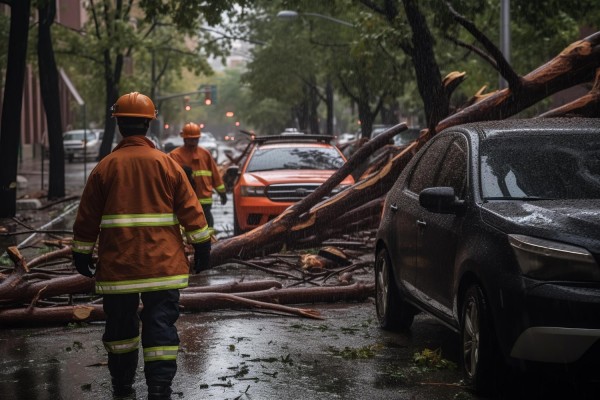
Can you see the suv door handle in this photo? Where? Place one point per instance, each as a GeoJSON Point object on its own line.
{"type": "Point", "coordinates": [394, 207]}
{"type": "Point", "coordinates": [421, 223]}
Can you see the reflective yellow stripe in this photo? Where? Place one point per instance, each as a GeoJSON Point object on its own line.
{"type": "Point", "coordinates": [82, 247]}
{"type": "Point", "coordinates": [122, 346]}
{"type": "Point", "coordinates": [128, 220]}
{"type": "Point", "coordinates": [199, 236]}
{"type": "Point", "coordinates": [202, 172]}
{"type": "Point", "coordinates": [205, 200]}
{"type": "Point", "coordinates": [142, 285]}
{"type": "Point", "coordinates": [160, 353]}
{"type": "Point", "coordinates": [220, 188]}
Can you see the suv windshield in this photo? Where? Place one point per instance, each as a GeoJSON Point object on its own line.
{"type": "Point", "coordinates": [535, 167]}
{"type": "Point", "coordinates": [295, 158]}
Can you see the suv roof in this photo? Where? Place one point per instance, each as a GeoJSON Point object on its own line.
{"type": "Point", "coordinates": [293, 138]}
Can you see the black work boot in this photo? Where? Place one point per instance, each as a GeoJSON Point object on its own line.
{"type": "Point", "coordinates": [159, 392]}
{"type": "Point", "coordinates": [121, 391]}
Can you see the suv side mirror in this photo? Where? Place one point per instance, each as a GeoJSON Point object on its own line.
{"type": "Point", "coordinates": [230, 177]}
{"type": "Point", "coordinates": [441, 200]}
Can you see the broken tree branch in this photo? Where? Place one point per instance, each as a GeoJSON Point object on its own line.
{"type": "Point", "coordinates": [574, 65]}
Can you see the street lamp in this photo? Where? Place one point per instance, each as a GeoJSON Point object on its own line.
{"type": "Point", "coordinates": [504, 36]}
{"type": "Point", "coordinates": [289, 14]}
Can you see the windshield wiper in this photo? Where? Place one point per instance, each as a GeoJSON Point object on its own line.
{"type": "Point", "coordinates": [522, 198]}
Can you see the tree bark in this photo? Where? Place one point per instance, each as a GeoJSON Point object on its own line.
{"type": "Point", "coordinates": [427, 71]}
{"type": "Point", "coordinates": [50, 97]}
{"type": "Point", "coordinates": [585, 106]}
{"type": "Point", "coordinates": [10, 126]}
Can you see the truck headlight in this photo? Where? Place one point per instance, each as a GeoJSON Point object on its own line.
{"type": "Point", "coordinates": [547, 260]}
{"type": "Point", "coordinates": [252, 191]}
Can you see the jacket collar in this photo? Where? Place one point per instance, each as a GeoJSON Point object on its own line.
{"type": "Point", "coordinates": [136, 140]}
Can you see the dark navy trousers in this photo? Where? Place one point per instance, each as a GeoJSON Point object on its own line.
{"type": "Point", "coordinates": [159, 337]}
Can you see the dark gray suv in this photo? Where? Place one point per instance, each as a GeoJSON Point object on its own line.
{"type": "Point", "coordinates": [494, 228]}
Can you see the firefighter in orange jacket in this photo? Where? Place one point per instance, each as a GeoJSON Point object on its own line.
{"type": "Point", "coordinates": [204, 169]}
{"type": "Point", "coordinates": [134, 202]}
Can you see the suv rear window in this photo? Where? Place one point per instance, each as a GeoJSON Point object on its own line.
{"type": "Point", "coordinates": [295, 158]}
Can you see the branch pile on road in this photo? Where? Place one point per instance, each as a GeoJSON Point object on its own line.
{"type": "Point", "coordinates": [27, 290]}
{"type": "Point", "coordinates": [47, 290]}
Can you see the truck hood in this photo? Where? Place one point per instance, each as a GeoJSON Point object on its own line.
{"type": "Point", "coordinates": [572, 221]}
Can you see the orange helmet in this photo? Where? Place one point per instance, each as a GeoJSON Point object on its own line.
{"type": "Point", "coordinates": [190, 131]}
{"type": "Point", "coordinates": [134, 104]}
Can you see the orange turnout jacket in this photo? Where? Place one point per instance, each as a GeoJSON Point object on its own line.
{"type": "Point", "coordinates": [204, 169]}
{"type": "Point", "coordinates": [134, 202]}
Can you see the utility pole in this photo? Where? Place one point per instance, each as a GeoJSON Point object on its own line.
{"type": "Point", "coordinates": [504, 36]}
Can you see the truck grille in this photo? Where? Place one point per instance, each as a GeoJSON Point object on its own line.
{"type": "Point", "coordinates": [293, 192]}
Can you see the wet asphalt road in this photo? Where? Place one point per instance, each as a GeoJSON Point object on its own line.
{"type": "Point", "coordinates": [229, 354]}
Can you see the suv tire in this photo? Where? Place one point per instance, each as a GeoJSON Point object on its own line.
{"type": "Point", "coordinates": [393, 312]}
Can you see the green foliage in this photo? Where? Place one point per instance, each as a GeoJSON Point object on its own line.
{"type": "Point", "coordinates": [356, 353]}
{"type": "Point", "coordinates": [156, 47]}
{"type": "Point", "coordinates": [432, 359]}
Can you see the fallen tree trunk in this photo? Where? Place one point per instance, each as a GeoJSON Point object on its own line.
{"type": "Point", "coordinates": [24, 290]}
{"type": "Point", "coordinates": [227, 300]}
{"type": "Point", "coordinates": [51, 315]}
{"type": "Point", "coordinates": [233, 287]}
{"type": "Point", "coordinates": [271, 299]}
{"type": "Point", "coordinates": [332, 294]}
{"type": "Point", "coordinates": [585, 106]}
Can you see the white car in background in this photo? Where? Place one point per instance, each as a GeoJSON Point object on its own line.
{"type": "Point", "coordinates": [79, 143]}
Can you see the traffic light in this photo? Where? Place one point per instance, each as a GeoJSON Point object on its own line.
{"type": "Point", "coordinates": [207, 99]}
{"type": "Point", "coordinates": [186, 101]}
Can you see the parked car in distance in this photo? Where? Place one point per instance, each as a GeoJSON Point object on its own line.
{"type": "Point", "coordinates": [279, 171]}
{"type": "Point", "coordinates": [78, 142]}
{"type": "Point", "coordinates": [345, 138]}
{"type": "Point", "coordinates": [494, 228]}
{"type": "Point", "coordinates": [406, 137]}
{"type": "Point", "coordinates": [207, 140]}
{"type": "Point", "coordinates": [379, 129]}
{"type": "Point", "coordinates": [401, 139]}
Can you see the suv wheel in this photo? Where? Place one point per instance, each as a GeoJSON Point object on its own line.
{"type": "Point", "coordinates": [393, 313]}
{"type": "Point", "coordinates": [478, 342]}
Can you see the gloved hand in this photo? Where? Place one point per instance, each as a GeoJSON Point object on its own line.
{"type": "Point", "coordinates": [83, 264]}
{"type": "Point", "coordinates": [223, 198]}
{"type": "Point", "coordinates": [201, 256]}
